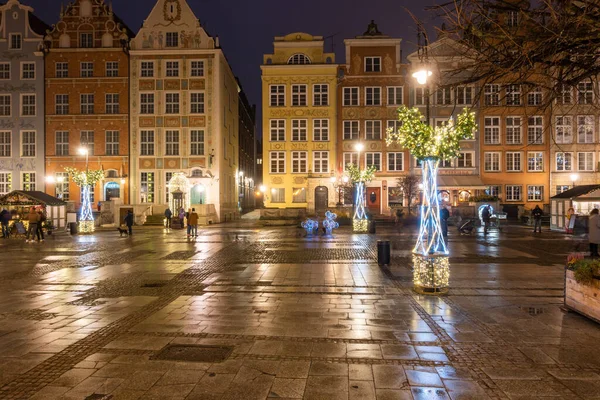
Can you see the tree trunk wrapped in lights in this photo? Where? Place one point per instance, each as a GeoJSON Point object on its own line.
{"type": "Point", "coordinates": [86, 180]}
{"type": "Point", "coordinates": [360, 222]}
{"type": "Point", "coordinates": [430, 145]}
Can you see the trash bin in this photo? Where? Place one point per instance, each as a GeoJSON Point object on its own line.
{"type": "Point", "coordinates": [372, 226]}
{"type": "Point", "coordinates": [73, 228]}
{"type": "Point", "coordinates": [383, 252]}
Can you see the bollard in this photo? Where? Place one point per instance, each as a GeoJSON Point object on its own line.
{"type": "Point", "coordinates": [372, 227]}
{"type": "Point", "coordinates": [383, 252]}
{"type": "Point", "coordinates": [73, 228]}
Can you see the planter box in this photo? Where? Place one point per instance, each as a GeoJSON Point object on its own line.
{"type": "Point", "coordinates": [584, 299]}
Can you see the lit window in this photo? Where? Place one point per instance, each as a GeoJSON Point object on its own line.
{"type": "Point", "coordinates": [564, 161]}
{"type": "Point", "coordinates": [28, 181]}
{"type": "Point", "coordinates": [535, 193]}
{"type": "Point", "coordinates": [535, 161]}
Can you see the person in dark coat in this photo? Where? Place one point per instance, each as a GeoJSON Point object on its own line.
{"type": "Point", "coordinates": [486, 216]}
{"type": "Point", "coordinates": [444, 215]}
{"type": "Point", "coordinates": [168, 216]}
{"type": "Point", "coordinates": [5, 218]}
{"type": "Point", "coordinates": [537, 214]}
{"type": "Point", "coordinates": [594, 233]}
{"type": "Point", "coordinates": [129, 221]}
{"type": "Point", "coordinates": [40, 226]}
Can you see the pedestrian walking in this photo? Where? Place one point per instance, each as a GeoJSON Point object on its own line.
{"type": "Point", "coordinates": [5, 218]}
{"type": "Point", "coordinates": [129, 221]}
{"type": "Point", "coordinates": [594, 232]}
{"type": "Point", "coordinates": [570, 214]}
{"type": "Point", "coordinates": [33, 218]}
{"type": "Point", "coordinates": [537, 214]}
{"type": "Point", "coordinates": [444, 215]}
{"type": "Point", "coordinates": [187, 220]}
{"type": "Point", "coordinates": [168, 216]}
{"type": "Point", "coordinates": [181, 216]}
{"type": "Point", "coordinates": [40, 226]}
{"type": "Point", "coordinates": [486, 216]}
{"type": "Point", "coordinates": [193, 222]}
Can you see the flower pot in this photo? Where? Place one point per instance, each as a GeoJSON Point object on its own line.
{"type": "Point", "coordinates": [582, 298]}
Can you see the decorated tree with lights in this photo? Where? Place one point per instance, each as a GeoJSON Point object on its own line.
{"type": "Point", "coordinates": [359, 177]}
{"type": "Point", "coordinates": [86, 180]}
{"type": "Point", "coordinates": [431, 144]}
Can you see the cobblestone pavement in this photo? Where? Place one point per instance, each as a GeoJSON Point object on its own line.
{"type": "Point", "coordinates": [283, 316]}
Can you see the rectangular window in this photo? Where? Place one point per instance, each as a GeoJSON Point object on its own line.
{"type": "Point", "coordinates": [147, 143]}
{"type": "Point", "coordinates": [86, 40]}
{"type": "Point", "coordinates": [4, 71]}
{"type": "Point", "coordinates": [464, 160]}
{"type": "Point", "coordinates": [350, 130]}
{"type": "Point", "coordinates": [320, 162]}
{"type": "Point", "coordinates": [197, 69]}
{"type": "Point", "coordinates": [87, 70]}
{"type": "Point", "coordinates": [62, 186]}
{"type": "Point", "coordinates": [87, 140]}
{"type": "Point", "coordinates": [172, 103]}
{"type": "Point", "coordinates": [28, 179]}
{"type": "Point", "coordinates": [585, 92]}
{"type": "Point", "coordinates": [28, 70]}
{"type": "Point", "coordinates": [513, 130]}
{"type": "Point", "coordinates": [277, 130]}
{"type": "Point", "coordinates": [112, 103]}
{"type": "Point", "coordinates": [535, 193]}
{"type": "Point", "coordinates": [566, 95]}
{"type": "Point", "coordinates": [534, 97]}
{"type": "Point", "coordinates": [5, 182]}
{"type": "Point", "coordinates": [491, 130]}
{"type": "Point", "coordinates": [374, 159]}
{"type": "Point", "coordinates": [62, 104]}
{"type": "Point", "coordinates": [299, 195]}
{"type": "Point", "coordinates": [16, 41]}
{"type": "Point", "coordinates": [493, 191]}
{"type": "Point", "coordinates": [395, 161]}
{"type": "Point", "coordinates": [277, 162]}
{"type": "Point", "coordinates": [535, 130]}
{"type": "Point", "coordinates": [112, 69]}
{"type": "Point", "coordinates": [564, 161]}
{"type": "Point", "coordinates": [168, 177]}
{"type": "Point", "coordinates": [147, 187]}
{"type": "Point", "coordinates": [585, 129]}
{"type": "Point", "coordinates": [147, 69]}
{"type": "Point", "coordinates": [6, 144]}
{"type": "Point", "coordinates": [535, 161]}
{"type": "Point", "coordinates": [513, 95]}
{"type": "Point", "coordinates": [372, 64]}
{"type": "Point", "coordinates": [393, 125]}
{"type": "Point", "coordinates": [321, 95]}
{"type": "Point", "coordinates": [464, 95]}
{"type": "Point", "coordinates": [351, 96]}
{"type": "Point", "coordinates": [197, 103]}
{"type": "Point", "coordinates": [277, 95]}
{"type": "Point", "coordinates": [350, 158]}
{"type": "Point", "coordinates": [172, 143]}
{"type": "Point", "coordinates": [395, 95]}
{"type": "Point", "coordinates": [62, 143]}
{"type": "Point", "coordinates": [28, 105]}
{"type": "Point", "coordinates": [585, 161]}
{"type": "Point", "coordinates": [28, 144]}
{"type": "Point", "coordinates": [320, 130]}
{"type": "Point", "coordinates": [445, 163]}
{"type": "Point", "coordinates": [62, 70]}
{"type": "Point", "coordinates": [564, 130]}
{"type": "Point", "coordinates": [491, 93]}
{"type": "Point", "coordinates": [299, 95]}
{"type": "Point", "coordinates": [491, 162]}
{"type": "Point", "coordinates": [278, 195]}
{"type": "Point", "coordinates": [513, 192]}
{"type": "Point", "coordinates": [513, 161]}
{"type": "Point", "coordinates": [373, 130]}
{"type": "Point", "coordinates": [512, 19]}
{"type": "Point", "coordinates": [443, 96]}
{"type": "Point", "coordinates": [299, 162]}
{"type": "Point", "coordinates": [172, 39]}
{"type": "Point", "coordinates": [197, 142]}
{"type": "Point", "coordinates": [87, 103]}
{"type": "Point", "coordinates": [562, 188]}
{"type": "Point", "coordinates": [146, 103]}
{"type": "Point", "coordinates": [299, 130]}
{"type": "Point", "coordinates": [112, 143]}
{"type": "Point", "coordinates": [373, 96]}
{"type": "Point", "coordinates": [172, 69]}
{"type": "Point", "coordinates": [5, 105]}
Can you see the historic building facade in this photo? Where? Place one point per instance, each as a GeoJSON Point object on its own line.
{"type": "Point", "coordinates": [247, 163]}
{"type": "Point", "coordinates": [184, 117]}
{"type": "Point", "coordinates": [299, 124]}
{"type": "Point", "coordinates": [21, 99]}
{"type": "Point", "coordinates": [87, 100]}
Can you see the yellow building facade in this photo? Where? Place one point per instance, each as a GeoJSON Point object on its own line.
{"type": "Point", "coordinates": [299, 124]}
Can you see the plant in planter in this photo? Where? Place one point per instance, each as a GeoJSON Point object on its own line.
{"type": "Point", "coordinates": [584, 270]}
{"type": "Point", "coordinates": [582, 285]}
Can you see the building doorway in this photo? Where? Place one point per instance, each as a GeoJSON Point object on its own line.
{"type": "Point", "coordinates": [374, 200]}
{"type": "Point", "coordinates": [321, 199]}
{"type": "Point", "coordinates": [112, 190]}
{"type": "Point", "coordinates": [198, 194]}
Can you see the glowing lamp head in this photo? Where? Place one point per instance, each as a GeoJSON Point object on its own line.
{"type": "Point", "coordinates": [122, 181]}
{"type": "Point", "coordinates": [50, 179]}
{"type": "Point", "coordinates": [422, 75]}
{"type": "Point", "coordinates": [332, 179]}
{"type": "Point", "coordinates": [359, 146]}
{"type": "Point", "coordinates": [262, 188]}
{"type": "Point", "coordinates": [574, 177]}
{"type": "Point", "coordinates": [345, 179]}
{"type": "Point", "coordinates": [200, 189]}
{"type": "Point", "coordinates": [83, 151]}
{"type": "Point", "coordinates": [60, 179]}
{"type": "Point", "coordinates": [241, 174]}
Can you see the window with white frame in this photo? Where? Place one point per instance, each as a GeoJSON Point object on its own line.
{"type": "Point", "coordinates": [465, 159]}
{"type": "Point", "coordinates": [299, 95]}
{"type": "Point", "coordinates": [4, 71]}
{"type": "Point", "coordinates": [395, 161]}
{"type": "Point", "coordinates": [351, 130]}
{"type": "Point", "coordinates": [168, 177]}
{"type": "Point", "coordinates": [277, 95]}
{"type": "Point", "coordinates": [28, 70]}
{"type": "Point", "coordinates": [534, 97]}
{"type": "Point", "coordinates": [562, 188]}
{"type": "Point", "coordinates": [172, 143]}
{"type": "Point", "coordinates": [493, 190]}
{"type": "Point", "coordinates": [62, 70]}
{"type": "Point", "coordinates": [172, 103]}
{"type": "Point", "coordinates": [564, 129]}
{"type": "Point", "coordinates": [535, 161]}
{"type": "Point", "coordinates": [564, 161]}
{"type": "Point", "coordinates": [5, 144]}
{"type": "Point", "coordinates": [320, 162]}
{"type": "Point", "coordinates": [86, 69]}
{"type": "Point", "coordinates": [172, 39]}
{"type": "Point", "coordinates": [278, 195]}
{"type": "Point", "coordinates": [585, 129]}
{"type": "Point", "coordinates": [513, 161]}
{"type": "Point", "coordinates": [320, 130]}
{"type": "Point", "coordinates": [277, 162]}
{"type": "Point", "coordinates": [112, 143]}
{"type": "Point", "coordinates": [112, 69]}
{"type": "Point", "coordinates": [321, 95]}
{"type": "Point", "coordinates": [196, 142]}
{"type": "Point", "coordinates": [445, 163]}
{"type": "Point", "coordinates": [15, 41]}
{"type": "Point", "coordinates": [28, 105]}
{"type": "Point", "coordinates": [277, 133]}
{"type": "Point", "coordinates": [585, 92]}
{"type": "Point", "coordinates": [62, 104]}
{"type": "Point", "coordinates": [491, 130]}
{"type": "Point", "coordinates": [464, 95]}
{"type": "Point", "coordinates": [535, 193]}
{"type": "Point", "coordinates": [395, 95]}
{"type": "Point", "coordinates": [172, 69]}
{"type": "Point", "coordinates": [197, 103]}
{"type": "Point", "coordinates": [86, 103]}
{"type": "Point", "coordinates": [146, 103]}
{"type": "Point", "coordinates": [62, 185]}
{"type": "Point", "coordinates": [513, 130]}
{"type": "Point", "coordinates": [197, 68]}
{"type": "Point", "coordinates": [146, 143]}
{"type": "Point", "coordinates": [5, 105]}
{"type": "Point", "coordinates": [147, 183]}
{"type": "Point", "coordinates": [299, 130]}
{"type": "Point", "coordinates": [299, 162]}
{"type": "Point", "coordinates": [372, 64]}
{"type": "Point", "coordinates": [535, 130]}
{"type": "Point", "coordinates": [350, 158]}
{"type": "Point", "coordinates": [491, 94]}
{"type": "Point", "coordinates": [373, 159]}
{"type": "Point", "coordinates": [351, 96]}
{"type": "Point", "coordinates": [61, 139]}
{"type": "Point", "coordinates": [565, 95]}
{"type": "Point", "coordinates": [147, 69]}
{"type": "Point", "coordinates": [420, 98]}
{"type": "Point", "coordinates": [28, 179]}
{"type": "Point", "coordinates": [86, 139]}
{"type": "Point", "coordinates": [491, 162]}
{"type": "Point", "coordinates": [513, 95]}
{"type": "Point", "coordinates": [86, 40]}
{"type": "Point", "coordinates": [585, 161]}
{"type": "Point", "coordinates": [393, 125]}
{"type": "Point", "coordinates": [299, 195]}
{"type": "Point", "coordinates": [513, 192]}
{"type": "Point", "coordinates": [443, 96]}
{"type": "Point", "coordinates": [373, 130]}
{"type": "Point", "coordinates": [5, 182]}
{"type": "Point", "coordinates": [373, 96]}
{"type": "Point", "coordinates": [112, 103]}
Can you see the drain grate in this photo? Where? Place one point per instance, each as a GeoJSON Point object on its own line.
{"type": "Point", "coordinates": [533, 311]}
{"type": "Point", "coordinates": [194, 353]}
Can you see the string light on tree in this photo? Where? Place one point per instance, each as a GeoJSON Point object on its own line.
{"type": "Point", "coordinates": [359, 177]}
{"type": "Point", "coordinates": [86, 180]}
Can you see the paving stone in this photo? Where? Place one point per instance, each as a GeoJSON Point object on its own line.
{"type": "Point", "coordinates": [323, 368]}
{"type": "Point", "coordinates": [361, 390]}
{"type": "Point", "coordinates": [422, 378]}
{"type": "Point", "coordinates": [288, 388]}
{"type": "Point", "coordinates": [360, 372]}
{"type": "Point", "coordinates": [326, 388]}
{"type": "Point", "coordinates": [389, 377]}
{"type": "Point", "coordinates": [293, 369]}
{"type": "Point", "coordinates": [429, 393]}
{"type": "Point", "coordinates": [391, 394]}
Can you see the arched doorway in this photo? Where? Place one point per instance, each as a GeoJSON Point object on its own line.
{"type": "Point", "coordinates": [112, 190]}
{"type": "Point", "coordinates": [198, 194]}
{"type": "Point", "coordinates": [321, 199]}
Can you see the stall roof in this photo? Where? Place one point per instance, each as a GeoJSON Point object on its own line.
{"type": "Point", "coordinates": [577, 191]}
{"type": "Point", "coordinates": [460, 182]}
{"type": "Point", "coordinates": [29, 198]}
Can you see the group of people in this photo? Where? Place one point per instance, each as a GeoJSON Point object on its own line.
{"type": "Point", "coordinates": [35, 218]}
{"type": "Point", "coordinates": [191, 216]}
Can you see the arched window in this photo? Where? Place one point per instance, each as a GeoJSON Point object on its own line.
{"type": "Point", "coordinates": [299, 59]}
{"type": "Point", "coordinates": [111, 173]}
{"type": "Point", "coordinates": [197, 173]}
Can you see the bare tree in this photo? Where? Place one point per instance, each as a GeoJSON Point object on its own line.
{"type": "Point", "coordinates": [409, 184]}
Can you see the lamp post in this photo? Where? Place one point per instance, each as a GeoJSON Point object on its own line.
{"type": "Point", "coordinates": [574, 178]}
{"type": "Point", "coordinates": [339, 183]}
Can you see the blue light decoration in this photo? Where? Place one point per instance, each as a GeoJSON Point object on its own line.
{"type": "Point", "coordinates": [360, 221]}
{"type": "Point", "coordinates": [86, 218]}
{"type": "Point", "coordinates": [329, 223]}
{"type": "Point", "coordinates": [310, 226]}
{"type": "Point", "coordinates": [480, 212]}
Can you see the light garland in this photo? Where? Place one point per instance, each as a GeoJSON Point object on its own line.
{"type": "Point", "coordinates": [431, 274]}
{"type": "Point", "coordinates": [86, 180]}
{"type": "Point", "coordinates": [310, 226]}
{"type": "Point", "coordinates": [358, 177]}
{"type": "Point", "coordinates": [329, 223]}
{"type": "Point", "coordinates": [360, 225]}
{"type": "Point", "coordinates": [430, 239]}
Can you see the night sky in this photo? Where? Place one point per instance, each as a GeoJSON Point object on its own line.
{"type": "Point", "coordinates": [246, 27]}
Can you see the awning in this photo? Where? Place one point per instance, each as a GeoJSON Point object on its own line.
{"type": "Point", "coordinates": [30, 198]}
{"type": "Point", "coordinates": [447, 182]}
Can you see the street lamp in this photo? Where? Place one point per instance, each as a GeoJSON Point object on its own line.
{"type": "Point", "coordinates": [340, 183]}
{"type": "Point", "coordinates": [574, 178]}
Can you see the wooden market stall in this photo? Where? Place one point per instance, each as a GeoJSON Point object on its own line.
{"type": "Point", "coordinates": [582, 199]}
{"type": "Point", "coordinates": [18, 202]}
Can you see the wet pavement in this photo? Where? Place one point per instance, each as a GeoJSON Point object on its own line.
{"type": "Point", "coordinates": [244, 312]}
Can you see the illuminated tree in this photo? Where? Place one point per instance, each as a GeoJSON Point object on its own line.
{"type": "Point", "coordinates": [86, 180]}
{"type": "Point", "coordinates": [359, 177]}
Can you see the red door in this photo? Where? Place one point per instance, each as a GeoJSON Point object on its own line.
{"type": "Point", "coordinates": [374, 200]}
